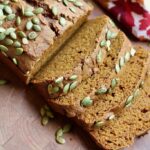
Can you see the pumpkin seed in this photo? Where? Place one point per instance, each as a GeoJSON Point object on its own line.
{"type": "Point", "coordinates": [46, 107]}
{"type": "Point", "coordinates": [1, 22]}
{"type": "Point", "coordinates": [13, 35]}
{"type": "Point", "coordinates": [102, 90]}
{"type": "Point", "coordinates": [78, 4]}
{"type": "Point", "coordinates": [127, 56]}
{"type": "Point", "coordinates": [99, 56]}
{"type": "Point", "coordinates": [60, 140]}
{"type": "Point", "coordinates": [72, 9]}
{"type": "Point", "coordinates": [21, 34]}
{"type": "Point", "coordinates": [8, 9]}
{"type": "Point", "coordinates": [32, 35]}
{"type": "Point", "coordinates": [18, 21]}
{"type": "Point", "coordinates": [10, 30]}
{"type": "Point", "coordinates": [2, 6]}
{"type": "Point", "coordinates": [103, 43]}
{"type": "Point", "coordinates": [3, 82]}
{"type": "Point", "coordinates": [59, 80]}
{"type": "Point", "coordinates": [117, 68]}
{"type": "Point", "coordinates": [121, 62]}
{"type": "Point", "coordinates": [54, 10]}
{"type": "Point", "coordinates": [136, 93]}
{"type": "Point", "coordinates": [65, 2]}
{"type": "Point", "coordinates": [15, 61]}
{"type": "Point", "coordinates": [86, 102]}
{"type": "Point", "coordinates": [8, 42]}
{"type": "Point", "coordinates": [98, 124]}
{"type": "Point", "coordinates": [66, 128]}
{"type": "Point", "coordinates": [108, 43]}
{"type": "Point", "coordinates": [29, 25]}
{"type": "Point", "coordinates": [6, 2]}
{"type": "Point", "coordinates": [129, 100]}
{"type": "Point", "coordinates": [38, 10]}
{"type": "Point", "coordinates": [59, 132]}
{"type": "Point", "coordinates": [37, 28]}
{"type": "Point", "coordinates": [62, 21]}
{"type": "Point", "coordinates": [55, 90]}
{"type": "Point", "coordinates": [112, 23]}
{"type": "Point", "coordinates": [25, 41]}
{"type": "Point", "coordinates": [113, 83]}
{"type": "Point", "coordinates": [108, 35]}
{"type": "Point", "coordinates": [19, 51]}
{"type": "Point", "coordinates": [141, 84]}
{"type": "Point", "coordinates": [2, 29]}
{"type": "Point", "coordinates": [42, 112]}
{"type": "Point", "coordinates": [11, 17]}
{"type": "Point", "coordinates": [17, 44]}
{"type": "Point", "coordinates": [73, 85]}
{"type": "Point", "coordinates": [66, 88]}
{"type": "Point", "coordinates": [3, 48]}
{"type": "Point", "coordinates": [44, 120]}
{"type": "Point", "coordinates": [50, 114]}
{"type": "Point", "coordinates": [132, 52]}
{"type": "Point", "coordinates": [49, 88]}
{"type": "Point", "coordinates": [28, 14]}
{"type": "Point", "coordinates": [36, 20]}
{"type": "Point", "coordinates": [111, 117]}
{"type": "Point", "coordinates": [73, 77]}
{"type": "Point", "coordinates": [2, 36]}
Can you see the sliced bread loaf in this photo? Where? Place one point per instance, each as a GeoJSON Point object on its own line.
{"type": "Point", "coordinates": [129, 123]}
{"type": "Point", "coordinates": [79, 59]}
{"type": "Point", "coordinates": [32, 31]}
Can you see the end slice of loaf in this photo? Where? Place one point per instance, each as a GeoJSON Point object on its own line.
{"type": "Point", "coordinates": [130, 123]}
{"type": "Point", "coordinates": [78, 60]}
{"type": "Point", "coordinates": [33, 31]}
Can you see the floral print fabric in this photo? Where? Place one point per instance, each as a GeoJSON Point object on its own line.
{"type": "Point", "coordinates": [133, 14]}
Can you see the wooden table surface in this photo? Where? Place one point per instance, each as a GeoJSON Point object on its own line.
{"type": "Point", "coordinates": [20, 127]}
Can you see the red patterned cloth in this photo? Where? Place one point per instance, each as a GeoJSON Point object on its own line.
{"type": "Point", "coordinates": [133, 14]}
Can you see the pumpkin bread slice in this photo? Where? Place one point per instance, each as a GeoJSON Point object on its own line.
{"type": "Point", "coordinates": [79, 59]}
{"type": "Point", "coordinates": [32, 32]}
{"type": "Point", "coordinates": [102, 106]}
{"type": "Point", "coordinates": [70, 103]}
{"type": "Point", "coordinates": [130, 123]}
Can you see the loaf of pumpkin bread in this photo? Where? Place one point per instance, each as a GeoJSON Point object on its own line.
{"type": "Point", "coordinates": [79, 59]}
{"type": "Point", "coordinates": [32, 31]}
{"type": "Point", "coordinates": [129, 123]}
{"type": "Point", "coordinates": [92, 106]}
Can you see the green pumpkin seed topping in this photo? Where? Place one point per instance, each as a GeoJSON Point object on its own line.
{"type": "Point", "coordinates": [42, 111]}
{"type": "Point", "coordinates": [72, 9]}
{"type": "Point", "coordinates": [132, 52]}
{"type": "Point", "coordinates": [54, 10]}
{"type": "Point", "coordinates": [28, 13]}
{"type": "Point", "coordinates": [98, 124]}
{"type": "Point", "coordinates": [29, 25]}
{"type": "Point", "coordinates": [99, 56]}
{"type": "Point", "coordinates": [10, 30]}
{"type": "Point", "coordinates": [50, 114]}
{"type": "Point", "coordinates": [73, 77]}
{"type": "Point", "coordinates": [18, 21]}
{"type": "Point", "coordinates": [44, 120]}
{"type": "Point", "coordinates": [15, 61]}
{"type": "Point", "coordinates": [60, 140]}
{"type": "Point", "coordinates": [129, 101]}
{"type": "Point", "coordinates": [17, 44]}
{"type": "Point", "coordinates": [21, 34]}
{"type": "Point", "coordinates": [25, 41]}
{"type": "Point", "coordinates": [11, 17]}
{"type": "Point", "coordinates": [38, 10]}
{"type": "Point", "coordinates": [32, 35]}
{"type": "Point", "coordinates": [55, 89]}
{"type": "Point", "coordinates": [62, 21]}
{"type": "Point", "coordinates": [114, 83]}
{"type": "Point", "coordinates": [59, 80]}
{"type": "Point", "coordinates": [136, 93]}
{"type": "Point", "coordinates": [86, 102]}
{"type": "Point", "coordinates": [127, 56]}
{"type": "Point", "coordinates": [59, 132]}
{"type": "Point", "coordinates": [73, 85]}
{"type": "Point", "coordinates": [65, 2]}
{"type": "Point", "coordinates": [8, 42]}
{"type": "Point", "coordinates": [36, 20]}
{"type": "Point", "coordinates": [66, 88]}
{"type": "Point", "coordinates": [117, 68]}
{"type": "Point", "coordinates": [2, 82]}
{"type": "Point", "coordinates": [37, 28]}
{"type": "Point", "coordinates": [3, 48]}
{"type": "Point", "coordinates": [141, 84]}
{"type": "Point", "coordinates": [2, 29]}
{"type": "Point", "coordinates": [2, 36]}
{"type": "Point", "coordinates": [108, 43]}
{"type": "Point", "coordinates": [13, 35]}
{"type": "Point", "coordinates": [8, 9]}
{"type": "Point", "coordinates": [66, 128]}
{"type": "Point", "coordinates": [78, 4]}
{"type": "Point", "coordinates": [19, 51]}
{"type": "Point", "coordinates": [121, 62]}
{"type": "Point", "coordinates": [103, 43]}
{"type": "Point", "coordinates": [111, 117]}
{"type": "Point", "coordinates": [49, 88]}
{"type": "Point", "coordinates": [102, 90]}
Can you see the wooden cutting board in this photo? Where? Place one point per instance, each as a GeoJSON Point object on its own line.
{"type": "Point", "coordinates": [20, 127]}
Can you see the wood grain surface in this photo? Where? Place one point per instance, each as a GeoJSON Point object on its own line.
{"type": "Point", "coordinates": [20, 127]}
